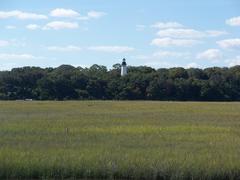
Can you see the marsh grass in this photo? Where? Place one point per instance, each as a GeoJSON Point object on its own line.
{"type": "Point", "coordinates": [119, 140]}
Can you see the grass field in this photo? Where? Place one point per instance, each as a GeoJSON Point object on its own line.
{"type": "Point", "coordinates": [119, 140]}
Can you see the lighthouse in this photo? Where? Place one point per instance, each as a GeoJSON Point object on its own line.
{"type": "Point", "coordinates": [124, 68]}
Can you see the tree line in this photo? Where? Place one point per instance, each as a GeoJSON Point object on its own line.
{"type": "Point", "coordinates": [142, 83]}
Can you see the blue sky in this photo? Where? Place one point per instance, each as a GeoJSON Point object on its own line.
{"type": "Point", "coordinates": [157, 33]}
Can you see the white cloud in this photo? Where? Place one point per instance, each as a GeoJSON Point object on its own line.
{"type": "Point", "coordinates": [96, 14]}
{"type": "Point", "coordinates": [189, 33]}
{"type": "Point", "coordinates": [214, 33]}
{"type": "Point", "coordinates": [167, 54]}
{"type": "Point", "coordinates": [3, 43]}
{"type": "Point", "coordinates": [167, 42]}
{"type": "Point", "coordinates": [161, 64]}
{"type": "Point", "coordinates": [192, 65]}
{"type": "Point", "coordinates": [21, 15]}
{"type": "Point", "coordinates": [18, 42]}
{"type": "Point", "coordinates": [162, 58]}
{"type": "Point", "coordinates": [69, 13]}
{"type": "Point", "coordinates": [92, 15]}
{"type": "Point", "coordinates": [4, 56]}
{"type": "Point", "coordinates": [234, 62]}
{"type": "Point", "coordinates": [166, 25]}
{"type": "Point", "coordinates": [235, 21]}
{"type": "Point", "coordinates": [7, 66]}
{"type": "Point", "coordinates": [112, 49]}
{"type": "Point", "coordinates": [165, 64]}
{"type": "Point", "coordinates": [180, 33]}
{"type": "Point", "coordinates": [32, 26]}
{"type": "Point", "coordinates": [142, 57]}
{"type": "Point", "coordinates": [210, 54]}
{"type": "Point", "coordinates": [83, 18]}
{"type": "Point", "coordinates": [60, 12]}
{"type": "Point", "coordinates": [10, 27]}
{"type": "Point", "coordinates": [229, 43]}
{"type": "Point", "coordinates": [69, 48]}
{"type": "Point", "coordinates": [56, 25]}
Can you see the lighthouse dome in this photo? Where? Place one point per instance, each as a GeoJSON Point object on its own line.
{"type": "Point", "coordinates": [124, 62]}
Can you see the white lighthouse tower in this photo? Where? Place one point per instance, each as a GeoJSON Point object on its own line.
{"type": "Point", "coordinates": [124, 68]}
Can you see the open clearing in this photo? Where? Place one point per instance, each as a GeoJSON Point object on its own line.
{"type": "Point", "coordinates": [125, 139]}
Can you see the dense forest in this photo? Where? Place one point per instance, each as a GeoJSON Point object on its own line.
{"type": "Point", "coordinates": [142, 83]}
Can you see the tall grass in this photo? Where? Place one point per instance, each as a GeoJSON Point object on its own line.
{"type": "Point", "coordinates": [119, 140]}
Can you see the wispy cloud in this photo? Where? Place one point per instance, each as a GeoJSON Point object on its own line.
{"type": "Point", "coordinates": [4, 43]}
{"type": "Point", "coordinates": [161, 64]}
{"type": "Point", "coordinates": [170, 54]}
{"type": "Point", "coordinates": [166, 25]}
{"type": "Point", "coordinates": [189, 33]}
{"type": "Point", "coordinates": [192, 65]}
{"type": "Point", "coordinates": [229, 43]}
{"type": "Point", "coordinates": [7, 66]}
{"type": "Point", "coordinates": [210, 54]}
{"type": "Point", "coordinates": [21, 15]}
{"type": "Point", "coordinates": [70, 48]}
{"type": "Point", "coordinates": [70, 13]}
{"type": "Point", "coordinates": [172, 34]}
{"type": "Point", "coordinates": [180, 33]}
{"type": "Point", "coordinates": [32, 26]}
{"type": "Point", "coordinates": [5, 56]}
{"type": "Point", "coordinates": [233, 62]}
{"type": "Point", "coordinates": [10, 27]}
{"type": "Point", "coordinates": [235, 21]}
{"type": "Point", "coordinates": [57, 25]}
{"type": "Point", "coordinates": [168, 42]}
{"type": "Point", "coordinates": [96, 14]}
{"type": "Point", "coordinates": [215, 33]}
{"type": "Point", "coordinates": [112, 49]}
{"type": "Point", "coordinates": [162, 59]}
{"type": "Point", "coordinates": [60, 12]}
{"type": "Point", "coordinates": [92, 15]}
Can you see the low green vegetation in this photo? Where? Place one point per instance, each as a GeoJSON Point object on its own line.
{"type": "Point", "coordinates": [119, 140]}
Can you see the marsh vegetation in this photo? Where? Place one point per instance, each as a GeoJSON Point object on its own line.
{"type": "Point", "coordinates": [121, 139]}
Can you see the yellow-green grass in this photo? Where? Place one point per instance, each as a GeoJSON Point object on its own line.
{"type": "Point", "coordinates": [119, 139]}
